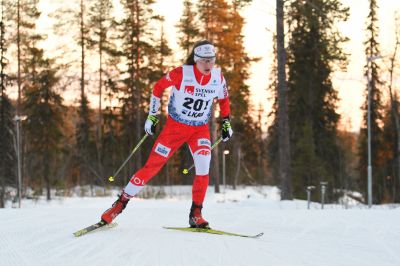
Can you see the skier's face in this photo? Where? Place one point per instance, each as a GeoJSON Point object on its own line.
{"type": "Point", "coordinates": [205, 65]}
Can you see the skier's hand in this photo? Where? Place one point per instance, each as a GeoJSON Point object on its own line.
{"type": "Point", "coordinates": [150, 124]}
{"type": "Point", "coordinates": [227, 131]}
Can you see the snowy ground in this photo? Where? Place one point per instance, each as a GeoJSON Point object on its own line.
{"type": "Point", "coordinates": [41, 233]}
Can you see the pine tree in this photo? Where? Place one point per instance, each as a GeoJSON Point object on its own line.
{"type": "Point", "coordinates": [395, 114]}
{"type": "Point", "coordinates": [188, 28]}
{"type": "Point", "coordinates": [272, 143]}
{"type": "Point", "coordinates": [162, 53]}
{"type": "Point", "coordinates": [388, 184]}
{"type": "Point", "coordinates": [75, 17]}
{"type": "Point", "coordinates": [376, 108]}
{"type": "Point", "coordinates": [111, 148]}
{"type": "Point", "coordinates": [283, 123]}
{"type": "Point", "coordinates": [261, 143]}
{"type": "Point", "coordinates": [44, 126]}
{"type": "Point", "coordinates": [136, 49]}
{"type": "Point", "coordinates": [7, 141]}
{"type": "Point", "coordinates": [84, 142]}
{"type": "Point", "coordinates": [7, 154]}
{"type": "Point", "coordinates": [99, 39]}
{"type": "Point", "coordinates": [222, 25]}
{"type": "Point", "coordinates": [313, 52]}
{"type": "Point", "coordinates": [23, 15]}
{"type": "Point", "coordinates": [236, 71]}
{"type": "Point", "coordinates": [84, 139]}
{"type": "Point", "coordinates": [20, 17]}
{"type": "Point", "coordinates": [112, 152]}
{"type": "Point", "coordinates": [348, 161]}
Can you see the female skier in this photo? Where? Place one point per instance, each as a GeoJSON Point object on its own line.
{"type": "Point", "coordinates": [194, 87]}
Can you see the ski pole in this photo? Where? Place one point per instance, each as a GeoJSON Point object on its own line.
{"type": "Point", "coordinates": [111, 178]}
{"type": "Point", "coordinates": [186, 171]}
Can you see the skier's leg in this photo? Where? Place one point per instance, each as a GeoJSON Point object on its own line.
{"type": "Point", "coordinates": [200, 147]}
{"type": "Point", "coordinates": [169, 140]}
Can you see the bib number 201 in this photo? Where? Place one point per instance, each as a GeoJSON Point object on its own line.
{"type": "Point", "coordinates": [196, 105]}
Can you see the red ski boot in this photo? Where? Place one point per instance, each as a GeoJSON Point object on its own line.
{"type": "Point", "coordinates": [118, 206]}
{"type": "Point", "coordinates": [195, 218]}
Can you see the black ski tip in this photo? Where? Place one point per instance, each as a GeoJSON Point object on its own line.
{"type": "Point", "coordinates": [258, 235]}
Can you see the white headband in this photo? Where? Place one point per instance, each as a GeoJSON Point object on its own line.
{"type": "Point", "coordinates": [204, 51]}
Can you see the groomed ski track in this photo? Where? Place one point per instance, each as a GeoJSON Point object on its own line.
{"type": "Point", "coordinates": [42, 234]}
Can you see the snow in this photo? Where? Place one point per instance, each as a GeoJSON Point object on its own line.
{"type": "Point", "coordinates": [41, 233]}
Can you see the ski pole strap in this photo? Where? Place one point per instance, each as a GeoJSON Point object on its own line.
{"type": "Point", "coordinates": [153, 119]}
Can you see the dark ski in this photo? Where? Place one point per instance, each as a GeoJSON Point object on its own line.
{"type": "Point", "coordinates": [211, 231]}
{"type": "Point", "coordinates": [94, 227]}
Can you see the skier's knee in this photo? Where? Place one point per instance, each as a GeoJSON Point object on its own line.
{"type": "Point", "coordinates": [202, 159]}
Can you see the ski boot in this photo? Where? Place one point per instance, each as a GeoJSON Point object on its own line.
{"type": "Point", "coordinates": [195, 218]}
{"type": "Point", "coordinates": [118, 206]}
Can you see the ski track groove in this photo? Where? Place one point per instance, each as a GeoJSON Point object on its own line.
{"type": "Point", "coordinates": [142, 253]}
{"type": "Point", "coordinates": [45, 243]}
{"type": "Point", "coordinates": [292, 236]}
{"type": "Point", "coordinates": [377, 235]}
{"type": "Point", "coordinates": [379, 239]}
{"type": "Point", "coordinates": [22, 245]}
{"type": "Point", "coordinates": [8, 254]}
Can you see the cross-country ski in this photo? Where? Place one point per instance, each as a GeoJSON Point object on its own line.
{"type": "Point", "coordinates": [94, 227]}
{"type": "Point", "coordinates": [211, 231]}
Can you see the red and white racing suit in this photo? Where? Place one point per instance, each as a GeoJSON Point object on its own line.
{"type": "Point", "coordinates": [189, 110]}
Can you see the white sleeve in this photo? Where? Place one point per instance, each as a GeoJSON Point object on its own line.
{"type": "Point", "coordinates": [155, 104]}
{"type": "Point", "coordinates": [223, 92]}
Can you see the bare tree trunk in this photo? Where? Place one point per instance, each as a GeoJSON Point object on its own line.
{"type": "Point", "coordinates": [2, 195]}
{"type": "Point", "coordinates": [100, 116]}
{"type": "Point", "coordinates": [394, 105]}
{"type": "Point", "coordinates": [81, 171]}
{"type": "Point", "coordinates": [18, 111]}
{"type": "Point", "coordinates": [46, 174]}
{"type": "Point", "coordinates": [82, 53]}
{"type": "Point", "coordinates": [283, 123]}
{"type": "Point", "coordinates": [100, 90]}
{"type": "Point", "coordinates": [2, 112]}
{"type": "Point", "coordinates": [139, 92]}
{"type": "Point", "coordinates": [2, 133]}
{"type": "Point", "coordinates": [99, 122]}
{"type": "Point", "coordinates": [19, 56]}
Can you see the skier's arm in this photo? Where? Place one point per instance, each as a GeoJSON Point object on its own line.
{"type": "Point", "coordinates": [223, 100]}
{"type": "Point", "coordinates": [173, 78]}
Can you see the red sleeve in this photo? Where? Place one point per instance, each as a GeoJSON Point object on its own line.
{"type": "Point", "coordinates": [173, 78]}
{"type": "Point", "coordinates": [224, 107]}
{"type": "Point", "coordinates": [223, 101]}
